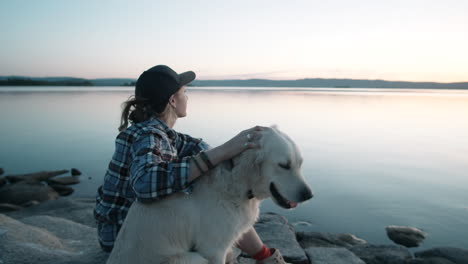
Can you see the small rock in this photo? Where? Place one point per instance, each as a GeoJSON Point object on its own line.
{"type": "Point", "coordinates": [64, 180]}
{"type": "Point", "coordinates": [455, 255]}
{"type": "Point", "coordinates": [63, 190]}
{"type": "Point", "coordinates": [319, 239]}
{"type": "Point", "coordinates": [405, 235]}
{"type": "Point", "coordinates": [6, 207]}
{"type": "Point", "coordinates": [326, 255]}
{"type": "Point", "coordinates": [382, 254]}
{"type": "Point", "coordinates": [23, 192]}
{"type": "Point", "coordinates": [1, 171]}
{"type": "Point", "coordinates": [89, 178]}
{"type": "Point", "coordinates": [75, 172]}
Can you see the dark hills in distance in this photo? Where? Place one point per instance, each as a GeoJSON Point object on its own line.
{"type": "Point", "coordinates": [63, 81]}
{"type": "Point", "coordinates": [334, 83]}
{"type": "Point", "coordinates": [315, 82]}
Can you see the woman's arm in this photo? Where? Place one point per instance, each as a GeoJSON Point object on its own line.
{"type": "Point", "coordinates": [155, 171]}
{"type": "Point", "coordinates": [189, 146]}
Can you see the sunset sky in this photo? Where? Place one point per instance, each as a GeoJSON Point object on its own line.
{"type": "Point", "coordinates": [410, 40]}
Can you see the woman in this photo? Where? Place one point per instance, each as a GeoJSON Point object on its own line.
{"type": "Point", "coordinates": [152, 161]}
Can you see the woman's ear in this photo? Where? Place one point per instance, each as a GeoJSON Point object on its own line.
{"type": "Point", "coordinates": [172, 100]}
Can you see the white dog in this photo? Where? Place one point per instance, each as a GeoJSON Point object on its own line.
{"type": "Point", "coordinates": [201, 227]}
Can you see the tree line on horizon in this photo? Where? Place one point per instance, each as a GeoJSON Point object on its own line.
{"type": "Point", "coordinates": [316, 82]}
{"type": "Point", "coordinates": [31, 82]}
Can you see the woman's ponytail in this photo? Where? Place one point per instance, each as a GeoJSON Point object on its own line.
{"type": "Point", "coordinates": [134, 111]}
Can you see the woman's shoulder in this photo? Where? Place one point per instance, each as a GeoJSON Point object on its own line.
{"type": "Point", "coordinates": [149, 127]}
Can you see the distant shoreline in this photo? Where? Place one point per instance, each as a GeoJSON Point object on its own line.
{"type": "Point", "coordinates": [102, 88]}
{"type": "Point", "coordinates": [302, 83]}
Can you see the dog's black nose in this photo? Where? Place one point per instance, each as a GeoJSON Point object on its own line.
{"type": "Point", "coordinates": [306, 194]}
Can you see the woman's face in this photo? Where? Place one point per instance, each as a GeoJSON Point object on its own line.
{"type": "Point", "coordinates": [179, 102]}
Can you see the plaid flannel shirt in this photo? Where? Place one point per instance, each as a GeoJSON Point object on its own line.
{"type": "Point", "coordinates": [150, 162]}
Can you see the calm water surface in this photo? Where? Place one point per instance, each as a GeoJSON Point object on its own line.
{"type": "Point", "coordinates": [373, 157]}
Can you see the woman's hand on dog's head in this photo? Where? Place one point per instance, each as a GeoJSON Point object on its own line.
{"type": "Point", "coordinates": [252, 136]}
{"type": "Point", "coordinates": [246, 139]}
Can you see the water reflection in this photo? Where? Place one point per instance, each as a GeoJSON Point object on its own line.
{"type": "Point", "coordinates": [372, 157]}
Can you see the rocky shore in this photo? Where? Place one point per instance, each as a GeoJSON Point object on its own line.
{"type": "Point", "coordinates": [62, 230]}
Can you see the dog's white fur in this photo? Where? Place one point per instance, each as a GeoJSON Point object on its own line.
{"type": "Point", "coordinates": [201, 227]}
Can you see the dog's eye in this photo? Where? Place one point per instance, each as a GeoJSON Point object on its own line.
{"type": "Point", "coordinates": [285, 166]}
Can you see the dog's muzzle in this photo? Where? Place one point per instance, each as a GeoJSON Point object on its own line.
{"type": "Point", "coordinates": [304, 195]}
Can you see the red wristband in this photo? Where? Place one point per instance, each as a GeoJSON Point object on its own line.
{"type": "Point", "coordinates": [262, 254]}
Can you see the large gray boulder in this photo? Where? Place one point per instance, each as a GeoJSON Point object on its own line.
{"type": "Point", "coordinates": [45, 239]}
{"type": "Point", "coordinates": [77, 210]}
{"type": "Point", "coordinates": [318, 239]}
{"type": "Point", "coordinates": [455, 255]}
{"type": "Point", "coordinates": [81, 238]}
{"type": "Point", "coordinates": [62, 228]}
{"type": "Point", "coordinates": [3, 181]}
{"type": "Point", "coordinates": [6, 207]}
{"type": "Point", "coordinates": [68, 180]}
{"type": "Point", "coordinates": [405, 235]}
{"type": "Point", "coordinates": [35, 177]}
{"type": "Point", "coordinates": [382, 254]}
{"type": "Point", "coordinates": [20, 243]}
{"type": "Point", "coordinates": [327, 255]}
{"type": "Point", "coordinates": [275, 232]}
{"type": "Point", "coordinates": [24, 192]}
{"type": "Point", "coordinates": [430, 261]}
{"type": "Point", "coordinates": [61, 189]}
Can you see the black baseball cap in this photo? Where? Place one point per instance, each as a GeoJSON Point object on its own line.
{"type": "Point", "coordinates": [158, 83]}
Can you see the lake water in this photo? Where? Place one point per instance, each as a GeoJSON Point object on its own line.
{"type": "Point", "coordinates": [373, 157]}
